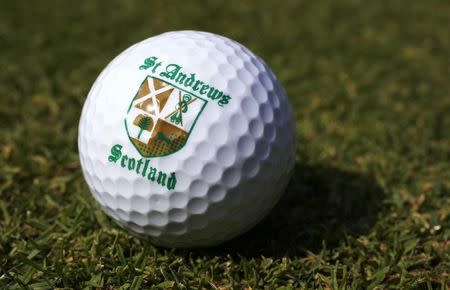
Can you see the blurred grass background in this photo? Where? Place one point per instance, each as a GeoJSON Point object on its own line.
{"type": "Point", "coordinates": [368, 206]}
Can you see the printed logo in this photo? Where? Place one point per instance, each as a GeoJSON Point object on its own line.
{"type": "Point", "coordinates": [161, 117]}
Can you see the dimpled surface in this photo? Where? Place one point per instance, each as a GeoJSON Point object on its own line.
{"type": "Point", "coordinates": [236, 161]}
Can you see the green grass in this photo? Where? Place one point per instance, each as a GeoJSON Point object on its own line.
{"type": "Point", "coordinates": [368, 206]}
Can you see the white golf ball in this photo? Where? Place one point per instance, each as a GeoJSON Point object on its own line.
{"type": "Point", "coordinates": [187, 138]}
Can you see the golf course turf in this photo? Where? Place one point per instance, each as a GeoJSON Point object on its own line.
{"type": "Point", "coordinates": [368, 206]}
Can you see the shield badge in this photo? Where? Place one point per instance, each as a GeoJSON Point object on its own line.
{"type": "Point", "coordinates": [161, 117]}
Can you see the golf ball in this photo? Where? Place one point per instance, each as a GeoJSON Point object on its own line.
{"type": "Point", "coordinates": [187, 138]}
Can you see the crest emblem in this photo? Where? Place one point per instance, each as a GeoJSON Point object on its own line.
{"type": "Point", "coordinates": [161, 117]}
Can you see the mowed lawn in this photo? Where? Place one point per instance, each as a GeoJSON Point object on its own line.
{"type": "Point", "coordinates": [367, 207]}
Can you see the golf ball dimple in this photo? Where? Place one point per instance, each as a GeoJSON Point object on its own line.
{"type": "Point", "coordinates": [187, 138]}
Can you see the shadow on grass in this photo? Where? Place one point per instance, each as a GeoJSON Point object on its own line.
{"type": "Point", "coordinates": [321, 205]}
